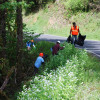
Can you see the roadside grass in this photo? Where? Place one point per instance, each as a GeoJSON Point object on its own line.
{"type": "Point", "coordinates": [71, 75]}
{"type": "Point", "coordinates": [57, 32]}
{"type": "Point", "coordinates": [89, 89]}
{"type": "Point", "coordinates": [36, 22]}
{"type": "Point", "coordinates": [89, 24]}
{"type": "Point", "coordinates": [53, 20]}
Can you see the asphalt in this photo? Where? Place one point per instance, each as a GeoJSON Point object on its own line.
{"type": "Point", "coordinates": [90, 46]}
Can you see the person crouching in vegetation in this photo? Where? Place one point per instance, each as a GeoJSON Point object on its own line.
{"type": "Point", "coordinates": [28, 45]}
{"type": "Point", "coordinates": [74, 31]}
{"type": "Point", "coordinates": [38, 62]}
{"type": "Point", "coordinates": [56, 48]}
{"type": "Point", "coordinates": [32, 43]}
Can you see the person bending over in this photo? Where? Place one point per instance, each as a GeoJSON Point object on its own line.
{"type": "Point", "coordinates": [56, 48]}
{"type": "Point", "coordinates": [38, 62]}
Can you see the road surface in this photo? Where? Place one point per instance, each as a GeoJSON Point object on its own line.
{"type": "Point", "coordinates": [89, 45]}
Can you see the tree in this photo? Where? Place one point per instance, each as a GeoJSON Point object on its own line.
{"type": "Point", "coordinates": [19, 24]}
{"type": "Point", "coordinates": [3, 26]}
{"type": "Point", "coordinates": [3, 15]}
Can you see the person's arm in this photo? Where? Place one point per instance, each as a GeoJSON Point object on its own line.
{"type": "Point", "coordinates": [42, 60]}
{"type": "Point", "coordinates": [61, 48]}
{"type": "Point", "coordinates": [33, 45]}
{"type": "Point", "coordinates": [79, 31]}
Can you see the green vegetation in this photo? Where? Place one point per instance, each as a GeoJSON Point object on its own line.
{"type": "Point", "coordinates": [66, 76]}
{"type": "Point", "coordinates": [56, 19]}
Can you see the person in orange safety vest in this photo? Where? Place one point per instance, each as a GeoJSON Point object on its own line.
{"type": "Point", "coordinates": [74, 31]}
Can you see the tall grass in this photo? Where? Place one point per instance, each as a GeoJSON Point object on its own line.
{"type": "Point", "coordinates": [89, 89]}
{"type": "Point", "coordinates": [64, 77]}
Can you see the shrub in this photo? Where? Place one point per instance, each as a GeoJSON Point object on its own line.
{"type": "Point", "coordinates": [74, 6]}
{"type": "Point", "coordinates": [29, 57]}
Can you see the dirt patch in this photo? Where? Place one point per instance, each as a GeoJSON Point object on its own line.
{"type": "Point", "coordinates": [57, 19]}
{"type": "Point", "coordinates": [31, 18]}
{"type": "Point", "coordinates": [35, 19]}
{"type": "Point", "coordinates": [52, 20]}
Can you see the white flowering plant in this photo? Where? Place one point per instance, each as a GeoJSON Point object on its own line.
{"type": "Point", "coordinates": [60, 78]}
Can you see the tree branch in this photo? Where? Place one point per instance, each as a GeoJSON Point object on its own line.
{"type": "Point", "coordinates": [7, 79]}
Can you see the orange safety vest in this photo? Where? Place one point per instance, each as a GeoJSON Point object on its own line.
{"type": "Point", "coordinates": [75, 31]}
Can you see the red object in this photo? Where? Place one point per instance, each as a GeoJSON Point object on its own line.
{"type": "Point", "coordinates": [41, 54]}
{"type": "Point", "coordinates": [75, 30]}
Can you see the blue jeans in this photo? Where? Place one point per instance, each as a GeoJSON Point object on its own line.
{"type": "Point", "coordinates": [74, 39]}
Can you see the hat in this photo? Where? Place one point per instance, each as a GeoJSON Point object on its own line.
{"type": "Point", "coordinates": [32, 40]}
{"type": "Point", "coordinates": [41, 54]}
{"type": "Point", "coordinates": [58, 42]}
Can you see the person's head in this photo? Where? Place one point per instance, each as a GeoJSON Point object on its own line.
{"type": "Point", "coordinates": [41, 54]}
{"type": "Point", "coordinates": [32, 40]}
{"type": "Point", "coordinates": [74, 24]}
{"type": "Point", "coordinates": [58, 42]}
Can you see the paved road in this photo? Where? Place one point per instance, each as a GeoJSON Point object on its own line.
{"type": "Point", "coordinates": [91, 46]}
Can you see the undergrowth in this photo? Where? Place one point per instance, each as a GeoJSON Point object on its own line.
{"type": "Point", "coordinates": [63, 78]}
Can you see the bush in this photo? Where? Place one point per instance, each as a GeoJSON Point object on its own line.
{"type": "Point", "coordinates": [29, 56]}
{"type": "Point", "coordinates": [76, 5]}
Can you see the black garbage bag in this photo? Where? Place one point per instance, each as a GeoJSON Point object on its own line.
{"type": "Point", "coordinates": [69, 39]}
{"type": "Point", "coordinates": [81, 39]}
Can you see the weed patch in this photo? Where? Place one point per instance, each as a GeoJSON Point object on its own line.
{"type": "Point", "coordinates": [61, 77]}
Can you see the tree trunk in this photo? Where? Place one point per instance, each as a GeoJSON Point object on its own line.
{"type": "Point", "coordinates": [3, 27]}
{"type": "Point", "coordinates": [3, 23]}
{"type": "Point", "coordinates": [7, 78]}
{"type": "Point", "coordinates": [36, 2]}
{"type": "Point", "coordinates": [19, 24]}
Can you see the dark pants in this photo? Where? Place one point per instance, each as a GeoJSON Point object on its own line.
{"type": "Point", "coordinates": [74, 39]}
{"type": "Point", "coordinates": [35, 70]}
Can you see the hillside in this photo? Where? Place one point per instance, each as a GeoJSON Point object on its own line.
{"type": "Point", "coordinates": [55, 19]}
